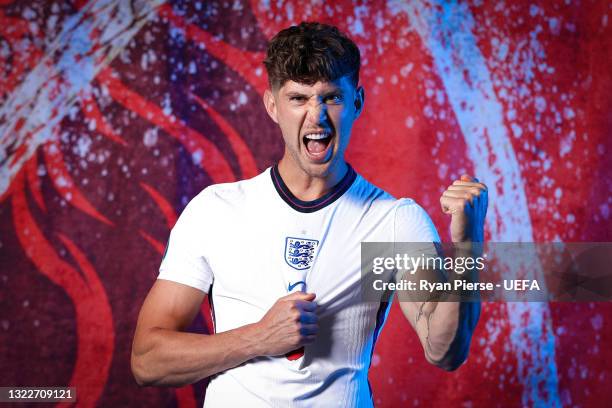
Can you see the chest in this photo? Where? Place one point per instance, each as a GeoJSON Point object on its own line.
{"type": "Point", "coordinates": [259, 258]}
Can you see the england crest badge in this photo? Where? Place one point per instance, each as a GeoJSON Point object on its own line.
{"type": "Point", "coordinates": [299, 252]}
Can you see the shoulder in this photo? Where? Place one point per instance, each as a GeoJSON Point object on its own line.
{"type": "Point", "coordinates": [382, 202]}
{"type": "Point", "coordinates": [407, 204]}
{"type": "Point", "coordinates": [381, 198]}
{"type": "Point", "coordinates": [412, 223]}
{"type": "Point", "coordinates": [223, 195]}
{"type": "Point", "coordinates": [367, 191]}
{"type": "Point", "coordinates": [407, 209]}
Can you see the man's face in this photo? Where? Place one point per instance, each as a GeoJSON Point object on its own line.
{"type": "Point", "coordinates": [316, 122]}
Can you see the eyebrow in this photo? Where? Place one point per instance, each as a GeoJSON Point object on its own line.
{"type": "Point", "coordinates": [335, 92]}
{"type": "Point", "coordinates": [295, 93]}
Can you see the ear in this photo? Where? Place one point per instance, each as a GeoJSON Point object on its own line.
{"type": "Point", "coordinates": [270, 104]}
{"type": "Point", "coordinates": [359, 100]}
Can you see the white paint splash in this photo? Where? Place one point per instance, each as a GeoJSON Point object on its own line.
{"type": "Point", "coordinates": [446, 30]}
{"type": "Point", "coordinates": [88, 41]}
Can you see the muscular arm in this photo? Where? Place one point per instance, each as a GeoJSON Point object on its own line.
{"type": "Point", "coordinates": [444, 329]}
{"type": "Point", "coordinates": [162, 354]}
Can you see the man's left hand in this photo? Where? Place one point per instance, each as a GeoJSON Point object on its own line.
{"type": "Point", "coordinates": [466, 201]}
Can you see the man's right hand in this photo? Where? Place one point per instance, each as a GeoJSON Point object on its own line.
{"type": "Point", "coordinates": [164, 354]}
{"type": "Point", "coordinates": [289, 324]}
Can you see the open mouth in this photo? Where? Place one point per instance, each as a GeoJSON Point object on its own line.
{"type": "Point", "coordinates": [317, 144]}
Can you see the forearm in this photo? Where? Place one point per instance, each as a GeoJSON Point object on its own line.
{"type": "Point", "coordinates": [173, 358]}
{"type": "Point", "coordinates": [445, 330]}
{"type": "Point", "coordinates": [443, 320]}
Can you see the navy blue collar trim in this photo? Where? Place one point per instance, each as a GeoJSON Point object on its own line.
{"type": "Point", "coordinates": [311, 206]}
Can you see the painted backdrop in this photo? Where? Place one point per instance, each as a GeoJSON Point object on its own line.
{"type": "Point", "coordinates": [115, 113]}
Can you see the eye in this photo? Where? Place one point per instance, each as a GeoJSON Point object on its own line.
{"type": "Point", "coordinates": [335, 99]}
{"type": "Point", "coordinates": [297, 98]}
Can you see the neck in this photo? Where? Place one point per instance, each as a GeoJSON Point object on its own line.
{"type": "Point", "coordinates": [307, 187]}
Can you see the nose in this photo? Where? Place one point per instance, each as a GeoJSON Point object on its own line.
{"type": "Point", "coordinates": [317, 112]}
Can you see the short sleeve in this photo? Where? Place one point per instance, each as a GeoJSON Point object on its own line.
{"type": "Point", "coordinates": [184, 260]}
{"type": "Point", "coordinates": [412, 224]}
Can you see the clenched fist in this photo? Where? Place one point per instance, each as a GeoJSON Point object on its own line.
{"type": "Point", "coordinates": [289, 324]}
{"type": "Point", "coordinates": [466, 201]}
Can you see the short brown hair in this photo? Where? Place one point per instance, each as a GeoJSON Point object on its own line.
{"type": "Point", "coordinates": [311, 52]}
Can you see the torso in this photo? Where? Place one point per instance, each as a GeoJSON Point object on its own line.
{"type": "Point", "coordinates": [252, 230]}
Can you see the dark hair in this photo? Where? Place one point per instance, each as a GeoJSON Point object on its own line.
{"type": "Point", "coordinates": [311, 52]}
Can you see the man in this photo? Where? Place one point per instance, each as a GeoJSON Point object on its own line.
{"type": "Point", "coordinates": [279, 255]}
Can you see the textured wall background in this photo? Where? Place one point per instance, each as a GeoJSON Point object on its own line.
{"type": "Point", "coordinates": [114, 114]}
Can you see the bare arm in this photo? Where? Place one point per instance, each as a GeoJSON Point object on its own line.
{"type": "Point", "coordinates": [162, 354]}
{"type": "Point", "coordinates": [445, 328]}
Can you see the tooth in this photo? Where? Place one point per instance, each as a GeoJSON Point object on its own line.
{"type": "Point", "coordinates": [317, 136]}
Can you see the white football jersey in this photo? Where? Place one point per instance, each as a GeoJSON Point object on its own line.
{"type": "Point", "coordinates": [251, 242]}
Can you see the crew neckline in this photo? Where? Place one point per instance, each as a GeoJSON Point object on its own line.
{"type": "Point", "coordinates": [311, 206]}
